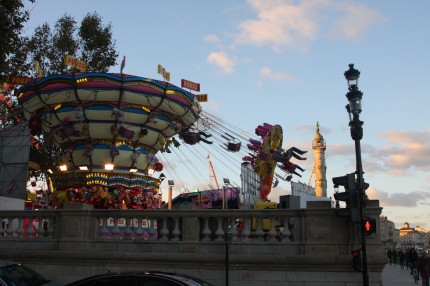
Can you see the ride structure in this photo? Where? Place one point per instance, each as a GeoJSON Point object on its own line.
{"type": "Point", "coordinates": [267, 154]}
{"type": "Point", "coordinates": [104, 130]}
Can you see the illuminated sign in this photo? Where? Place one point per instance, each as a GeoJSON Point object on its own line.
{"type": "Point", "coordinates": [71, 61]}
{"type": "Point", "coordinates": [190, 85]}
{"type": "Point", "coordinates": [202, 97]}
{"type": "Point", "coordinates": [20, 80]}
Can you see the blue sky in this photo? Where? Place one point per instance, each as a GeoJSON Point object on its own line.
{"type": "Point", "coordinates": [282, 62]}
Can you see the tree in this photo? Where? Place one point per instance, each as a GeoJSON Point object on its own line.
{"type": "Point", "coordinates": [12, 54]}
{"type": "Point", "coordinates": [98, 48]}
{"type": "Point", "coordinates": [92, 42]}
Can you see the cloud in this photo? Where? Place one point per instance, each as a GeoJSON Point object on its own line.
{"type": "Point", "coordinates": [269, 74]}
{"type": "Point", "coordinates": [221, 60]}
{"type": "Point", "coordinates": [411, 199]}
{"type": "Point", "coordinates": [357, 19]}
{"type": "Point", "coordinates": [407, 150]}
{"type": "Point", "coordinates": [212, 39]}
{"type": "Point", "coordinates": [295, 24]}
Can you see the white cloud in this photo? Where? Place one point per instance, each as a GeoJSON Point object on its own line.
{"type": "Point", "coordinates": [281, 23]}
{"type": "Point", "coordinates": [221, 60]}
{"type": "Point", "coordinates": [357, 19]}
{"type": "Point", "coordinates": [267, 73]}
{"type": "Point", "coordinates": [213, 39]}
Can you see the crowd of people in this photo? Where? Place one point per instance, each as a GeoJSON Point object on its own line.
{"type": "Point", "coordinates": [410, 259]}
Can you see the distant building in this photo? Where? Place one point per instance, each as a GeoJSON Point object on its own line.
{"type": "Point", "coordinates": [390, 236]}
{"type": "Point", "coordinates": [418, 238]}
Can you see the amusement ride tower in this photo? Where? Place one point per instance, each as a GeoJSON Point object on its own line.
{"type": "Point", "coordinates": [319, 147]}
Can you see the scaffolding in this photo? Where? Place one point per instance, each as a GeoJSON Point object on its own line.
{"type": "Point", "coordinates": [14, 157]}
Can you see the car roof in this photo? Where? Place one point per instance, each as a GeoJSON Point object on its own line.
{"type": "Point", "coordinates": [170, 275]}
{"type": "Point", "coordinates": [4, 262]}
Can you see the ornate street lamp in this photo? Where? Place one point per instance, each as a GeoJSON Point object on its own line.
{"type": "Point", "coordinates": [354, 97]}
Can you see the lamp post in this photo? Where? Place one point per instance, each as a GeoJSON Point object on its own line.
{"type": "Point", "coordinates": [169, 199]}
{"type": "Point", "coordinates": [354, 96]}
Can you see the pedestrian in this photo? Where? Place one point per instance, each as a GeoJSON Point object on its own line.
{"type": "Point", "coordinates": [413, 257]}
{"type": "Point", "coordinates": [401, 259]}
{"type": "Point", "coordinates": [394, 256]}
{"type": "Point", "coordinates": [390, 255]}
{"type": "Point", "coordinates": [423, 266]}
{"type": "Point", "coordinates": [407, 258]}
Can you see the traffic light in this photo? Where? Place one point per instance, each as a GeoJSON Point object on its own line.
{"type": "Point", "coordinates": [356, 259]}
{"type": "Point", "coordinates": [369, 225]}
{"type": "Point", "coordinates": [350, 197]}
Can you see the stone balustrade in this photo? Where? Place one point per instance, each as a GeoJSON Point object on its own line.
{"type": "Point", "coordinates": [280, 245]}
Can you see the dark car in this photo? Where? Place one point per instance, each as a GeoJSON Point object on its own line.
{"type": "Point", "coordinates": [140, 279]}
{"type": "Point", "coordinates": [16, 274]}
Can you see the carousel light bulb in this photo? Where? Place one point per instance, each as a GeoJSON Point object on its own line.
{"type": "Point", "coordinates": [109, 167]}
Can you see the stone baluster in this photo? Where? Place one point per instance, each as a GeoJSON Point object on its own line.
{"type": "Point", "coordinates": [103, 228]}
{"type": "Point", "coordinates": [285, 233]}
{"type": "Point", "coordinates": [272, 233]}
{"type": "Point", "coordinates": [20, 231]}
{"type": "Point", "coordinates": [2, 230]}
{"type": "Point", "coordinates": [9, 228]}
{"type": "Point", "coordinates": [219, 233]}
{"type": "Point", "coordinates": [259, 233]}
{"type": "Point", "coordinates": [206, 232]}
{"type": "Point", "coordinates": [31, 232]}
{"type": "Point", "coordinates": [234, 234]}
{"type": "Point", "coordinates": [40, 229]}
{"type": "Point", "coordinates": [128, 226]}
{"type": "Point", "coordinates": [115, 229]}
{"type": "Point", "coordinates": [176, 231]}
{"type": "Point", "coordinates": [152, 231]}
{"type": "Point", "coordinates": [139, 230]}
{"type": "Point", "coordinates": [50, 232]}
{"type": "Point", "coordinates": [246, 231]}
{"type": "Point", "coordinates": [164, 232]}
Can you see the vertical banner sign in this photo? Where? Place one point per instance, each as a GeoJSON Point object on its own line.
{"type": "Point", "coordinates": [190, 85]}
{"type": "Point", "coordinates": [38, 69]}
{"type": "Point", "coordinates": [71, 61]}
{"type": "Point", "coordinates": [163, 72]}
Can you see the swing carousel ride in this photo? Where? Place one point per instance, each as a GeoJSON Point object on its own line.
{"type": "Point", "coordinates": [106, 130]}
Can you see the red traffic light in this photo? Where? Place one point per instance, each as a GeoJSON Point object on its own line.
{"type": "Point", "coordinates": [354, 253]}
{"type": "Point", "coordinates": [369, 225]}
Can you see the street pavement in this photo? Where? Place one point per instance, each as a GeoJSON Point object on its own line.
{"type": "Point", "coordinates": [392, 275]}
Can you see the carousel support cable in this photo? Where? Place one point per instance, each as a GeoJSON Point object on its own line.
{"type": "Point", "coordinates": [224, 164]}
{"type": "Point", "coordinates": [222, 123]}
{"type": "Point", "coordinates": [178, 181]}
{"type": "Point", "coordinates": [196, 170]}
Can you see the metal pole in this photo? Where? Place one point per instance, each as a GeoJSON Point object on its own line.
{"type": "Point", "coordinates": [357, 135]}
{"type": "Point", "coordinates": [226, 260]}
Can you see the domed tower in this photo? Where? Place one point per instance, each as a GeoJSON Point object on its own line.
{"type": "Point", "coordinates": [320, 168]}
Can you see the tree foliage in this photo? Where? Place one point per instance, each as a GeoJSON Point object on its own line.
{"type": "Point", "coordinates": [12, 43]}
{"type": "Point", "coordinates": [90, 42]}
